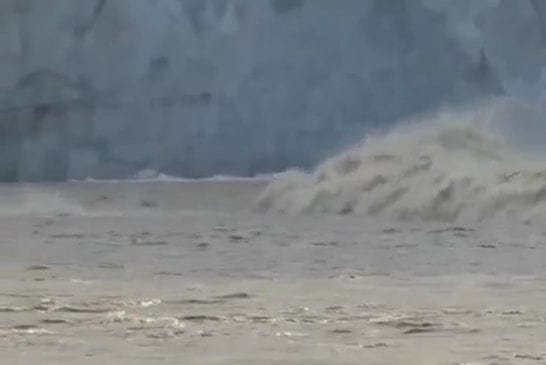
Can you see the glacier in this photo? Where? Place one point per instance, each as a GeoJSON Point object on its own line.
{"type": "Point", "coordinates": [104, 89]}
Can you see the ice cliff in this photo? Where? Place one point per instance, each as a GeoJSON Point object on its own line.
{"type": "Point", "coordinates": [108, 88]}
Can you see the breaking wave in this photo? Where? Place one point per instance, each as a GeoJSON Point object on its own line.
{"type": "Point", "coordinates": [450, 167]}
{"type": "Point", "coordinates": [150, 176]}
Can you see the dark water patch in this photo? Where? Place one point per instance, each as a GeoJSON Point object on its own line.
{"type": "Point", "coordinates": [456, 229]}
{"type": "Point", "coordinates": [147, 203]}
{"type": "Point", "coordinates": [54, 321]}
{"type": "Point", "coordinates": [494, 359]}
{"type": "Point", "coordinates": [194, 301]}
{"type": "Point", "coordinates": [163, 336]}
{"type": "Point", "coordinates": [202, 245]}
{"type": "Point", "coordinates": [110, 266]}
{"type": "Point", "coordinates": [488, 246]}
{"type": "Point", "coordinates": [256, 233]}
{"type": "Point", "coordinates": [325, 244]}
{"type": "Point", "coordinates": [418, 330]}
{"type": "Point", "coordinates": [24, 327]}
{"type": "Point", "coordinates": [311, 319]}
{"type": "Point", "coordinates": [411, 324]}
{"type": "Point", "coordinates": [427, 327]}
{"type": "Point", "coordinates": [141, 328]}
{"type": "Point", "coordinates": [233, 296]}
{"type": "Point", "coordinates": [17, 295]}
{"type": "Point", "coordinates": [167, 273]}
{"type": "Point", "coordinates": [44, 307]}
{"type": "Point", "coordinates": [335, 309]}
{"type": "Point", "coordinates": [72, 236]}
{"type": "Point", "coordinates": [236, 238]}
{"type": "Point", "coordinates": [528, 357]}
{"type": "Point", "coordinates": [406, 245]}
{"type": "Point", "coordinates": [38, 268]}
{"type": "Point", "coordinates": [200, 318]}
{"type": "Point", "coordinates": [513, 312]}
{"type": "Point", "coordinates": [260, 319]}
{"type": "Point", "coordinates": [391, 231]}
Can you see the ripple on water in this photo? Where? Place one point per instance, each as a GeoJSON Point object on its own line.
{"type": "Point", "coordinates": [15, 309]}
{"type": "Point", "coordinates": [24, 330]}
{"type": "Point", "coordinates": [74, 309]}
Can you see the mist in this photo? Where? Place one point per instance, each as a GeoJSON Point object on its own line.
{"type": "Point", "coordinates": [106, 89]}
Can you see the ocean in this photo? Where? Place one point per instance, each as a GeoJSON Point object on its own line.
{"type": "Point", "coordinates": [422, 246]}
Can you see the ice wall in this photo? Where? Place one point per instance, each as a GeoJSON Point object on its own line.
{"type": "Point", "coordinates": [107, 88]}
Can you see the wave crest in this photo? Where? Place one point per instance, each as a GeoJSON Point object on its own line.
{"type": "Point", "coordinates": [455, 166]}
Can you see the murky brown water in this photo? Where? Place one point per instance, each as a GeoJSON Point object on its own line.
{"type": "Point", "coordinates": [190, 273]}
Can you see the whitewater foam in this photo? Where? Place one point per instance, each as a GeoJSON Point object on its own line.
{"type": "Point", "coordinates": [164, 178]}
{"type": "Point", "coordinates": [34, 201]}
{"type": "Point", "coordinates": [450, 167]}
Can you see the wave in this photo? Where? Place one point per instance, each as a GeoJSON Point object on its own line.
{"type": "Point", "coordinates": [139, 178]}
{"type": "Point", "coordinates": [22, 201]}
{"type": "Point", "coordinates": [449, 167]}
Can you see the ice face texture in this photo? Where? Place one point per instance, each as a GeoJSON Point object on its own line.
{"type": "Point", "coordinates": [194, 88]}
